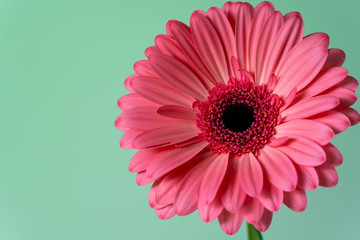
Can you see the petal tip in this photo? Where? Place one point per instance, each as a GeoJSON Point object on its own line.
{"type": "Point", "coordinates": [118, 122]}
{"type": "Point", "coordinates": [324, 36]}
{"type": "Point", "coordinates": [266, 3]}
{"type": "Point", "coordinates": [296, 15]}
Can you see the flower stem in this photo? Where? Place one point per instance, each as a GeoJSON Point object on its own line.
{"type": "Point", "coordinates": [253, 234]}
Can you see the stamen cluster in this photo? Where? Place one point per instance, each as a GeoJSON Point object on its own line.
{"type": "Point", "coordinates": [263, 103]}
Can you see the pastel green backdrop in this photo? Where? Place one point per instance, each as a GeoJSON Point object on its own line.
{"type": "Point", "coordinates": [63, 175]}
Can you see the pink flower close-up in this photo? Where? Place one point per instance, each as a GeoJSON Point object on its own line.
{"type": "Point", "coordinates": [234, 115]}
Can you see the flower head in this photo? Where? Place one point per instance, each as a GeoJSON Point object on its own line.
{"type": "Point", "coordinates": [234, 115]}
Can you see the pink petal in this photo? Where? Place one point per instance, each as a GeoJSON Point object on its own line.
{"type": "Point", "coordinates": [142, 179]}
{"type": "Point", "coordinates": [231, 10]}
{"type": "Point", "coordinates": [186, 200]}
{"type": "Point", "coordinates": [262, 13]}
{"type": "Point", "coordinates": [301, 71]}
{"type": "Point", "coordinates": [150, 50]}
{"type": "Point", "coordinates": [309, 107]}
{"type": "Point", "coordinates": [324, 81]}
{"type": "Point", "coordinates": [251, 175]}
{"type": "Point", "coordinates": [209, 212]}
{"type": "Point", "coordinates": [303, 151]}
{"type": "Point", "coordinates": [296, 200]}
{"type": "Point", "coordinates": [251, 210]}
{"type": "Point", "coordinates": [336, 58]}
{"type": "Point", "coordinates": [143, 118]}
{"type": "Point", "coordinates": [308, 178]}
{"type": "Point", "coordinates": [242, 33]}
{"type": "Point", "coordinates": [169, 186]}
{"type": "Point", "coordinates": [288, 100]}
{"type": "Point", "coordinates": [271, 197]}
{"type": "Point", "coordinates": [264, 223]}
{"type": "Point", "coordinates": [158, 91]}
{"type": "Point", "coordinates": [288, 36]}
{"type": "Point", "coordinates": [183, 37]}
{"type": "Point", "coordinates": [334, 157]}
{"type": "Point", "coordinates": [127, 83]}
{"type": "Point", "coordinates": [279, 168]}
{"type": "Point", "coordinates": [226, 8]}
{"type": "Point", "coordinates": [225, 33]}
{"type": "Point", "coordinates": [127, 138]}
{"type": "Point", "coordinates": [178, 112]}
{"type": "Point", "coordinates": [230, 223]}
{"type": "Point", "coordinates": [270, 30]}
{"type": "Point", "coordinates": [232, 194]}
{"type": "Point", "coordinates": [316, 131]}
{"type": "Point", "coordinates": [328, 176]}
{"type": "Point", "coordinates": [264, 7]}
{"type": "Point", "coordinates": [212, 179]}
{"type": "Point", "coordinates": [209, 46]}
{"type": "Point", "coordinates": [171, 183]}
{"type": "Point", "coordinates": [243, 74]}
{"type": "Point", "coordinates": [349, 83]}
{"type": "Point", "coordinates": [272, 82]}
{"type": "Point", "coordinates": [140, 161]}
{"type": "Point", "coordinates": [337, 121]}
{"type": "Point", "coordinates": [276, 142]}
{"type": "Point", "coordinates": [346, 96]}
{"type": "Point", "coordinates": [236, 67]}
{"type": "Point", "coordinates": [133, 100]}
{"type": "Point", "coordinates": [178, 75]}
{"type": "Point", "coordinates": [143, 68]}
{"type": "Point", "coordinates": [169, 46]}
{"type": "Point", "coordinates": [307, 43]}
{"type": "Point", "coordinates": [166, 212]}
{"type": "Point", "coordinates": [151, 197]}
{"type": "Point", "coordinates": [165, 136]}
{"type": "Point", "coordinates": [172, 158]}
{"type": "Point", "coordinates": [188, 142]}
{"type": "Point", "coordinates": [291, 15]}
{"type": "Point", "coordinates": [352, 115]}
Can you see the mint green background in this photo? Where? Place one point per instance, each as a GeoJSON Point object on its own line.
{"type": "Point", "coordinates": [63, 175]}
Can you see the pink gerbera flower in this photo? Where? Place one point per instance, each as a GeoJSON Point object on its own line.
{"type": "Point", "coordinates": [234, 115]}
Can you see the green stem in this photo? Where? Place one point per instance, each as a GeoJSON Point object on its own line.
{"type": "Point", "coordinates": [253, 234]}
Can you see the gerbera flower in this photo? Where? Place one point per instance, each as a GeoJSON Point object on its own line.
{"type": "Point", "coordinates": [234, 115]}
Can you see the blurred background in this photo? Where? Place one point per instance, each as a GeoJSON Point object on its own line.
{"type": "Point", "coordinates": [62, 172]}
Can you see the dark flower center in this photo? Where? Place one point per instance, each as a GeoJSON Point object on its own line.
{"type": "Point", "coordinates": [238, 117]}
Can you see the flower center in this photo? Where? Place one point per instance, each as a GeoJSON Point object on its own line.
{"type": "Point", "coordinates": [238, 117]}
